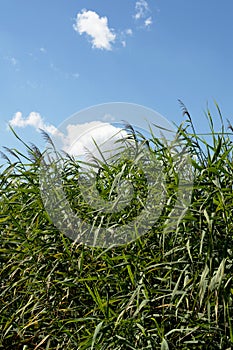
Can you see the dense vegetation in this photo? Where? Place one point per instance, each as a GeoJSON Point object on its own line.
{"type": "Point", "coordinates": [165, 290]}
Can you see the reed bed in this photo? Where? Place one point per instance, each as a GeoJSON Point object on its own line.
{"type": "Point", "coordinates": [165, 290]}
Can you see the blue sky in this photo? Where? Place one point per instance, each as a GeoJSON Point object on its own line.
{"type": "Point", "coordinates": [59, 57]}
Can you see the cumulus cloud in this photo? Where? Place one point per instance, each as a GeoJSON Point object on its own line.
{"type": "Point", "coordinates": [78, 140]}
{"type": "Point", "coordinates": [35, 120]}
{"type": "Point", "coordinates": [81, 139]}
{"type": "Point", "coordinates": [96, 28]}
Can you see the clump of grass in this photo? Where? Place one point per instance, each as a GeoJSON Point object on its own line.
{"type": "Point", "coordinates": [165, 290]}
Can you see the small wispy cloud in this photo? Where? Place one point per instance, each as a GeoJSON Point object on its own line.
{"type": "Point", "coordinates": [123, 36]}
{"type": "Point", "coordinates": [108, 117]}
{"type": "Point", "coordinates": [75, 75]}
{"type": "Point", "coordinates": [96, 27]}
{"type": "Point", "coordinates": [141, 9]}
{"type": "Point", "coordinates": [148, 22]}
{"type": "Point", "coordinates": [63, 74]}
{"type": "Point", "coordinates": [34, 120]}
{"type": "Point", "coordinates": [31, 84]}
{"type": "Point", "coordinates": [42, 50]}
{"type": "Point", "coordinates": [129, 31]}
{"type": "Point", "coordinates": [142, 13]}
{"type": "Point", "coordinates": [14, 62]}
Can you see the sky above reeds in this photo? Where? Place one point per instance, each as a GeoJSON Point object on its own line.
{"type": "Point", "coordinates": [59, 57]}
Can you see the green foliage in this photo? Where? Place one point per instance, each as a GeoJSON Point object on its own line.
{"type": "Point", "coordinates": [165, 290]}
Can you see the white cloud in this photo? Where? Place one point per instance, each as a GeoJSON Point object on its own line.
{"type": "Point", "coordinates": [81, 138]}
{"type": "Point", "coordinates": [96, 27]}
{"type": "Point", "coordinates": [123, 36]}
{"type": "Point", "coordinates": [78, 140]}
{"type": "Point", "coordinates": [35, 120]}
{"type": "Point", "coordinates": [148, 22]}
{"type": "Point", "coordinates": [129, 31]}
{"type": "Point", "coordinates": [141, 9]}
{"type": "Point", "coordinates": [142, 13]}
